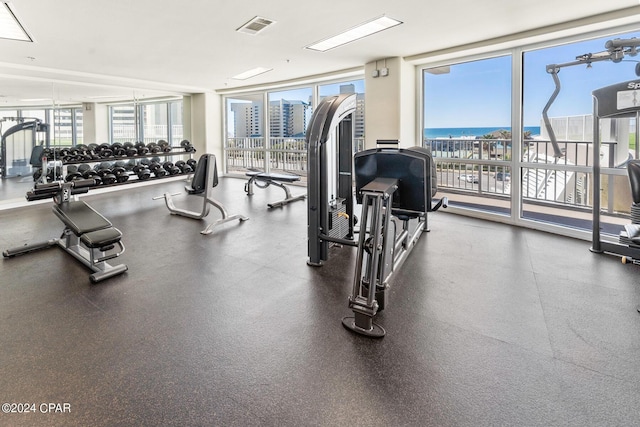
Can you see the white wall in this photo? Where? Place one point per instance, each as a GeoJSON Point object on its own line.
{"type": "Point", "coordinates": [390, 102]}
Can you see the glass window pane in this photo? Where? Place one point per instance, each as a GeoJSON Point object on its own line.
{"type": "Point", "coordinates": [467, 125]}
{"type": "Point", "coordinates": [289, 114]}
{"type": "Point", "coordinates": [245, 146]}
{"type": "Point", "coordinates": [123, 123]}
{"type": "Point", "coordinates": [154, 122]}
{"type": "Point", "coordinates": [176, 120]}
{"type": "Point", "coordinates": [556, 185]}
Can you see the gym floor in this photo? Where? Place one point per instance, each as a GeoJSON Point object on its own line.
{"type": "Point", "coordinates": [487, 325]}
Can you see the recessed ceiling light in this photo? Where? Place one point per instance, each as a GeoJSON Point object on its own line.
{"type": "Point", "coordinates": [251, 73]}
{"type": "Point", "coordinates": [363, 30]}
{"type": "Point", "coordinates": [10, 26]}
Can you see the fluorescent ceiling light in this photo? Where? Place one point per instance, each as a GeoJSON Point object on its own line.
{"type": "Point", "coordinates": [251, 73]}
{"type": "Point", "coordinates": [10, 27]}
{"type": "Point", "coordinates": [363, 30]}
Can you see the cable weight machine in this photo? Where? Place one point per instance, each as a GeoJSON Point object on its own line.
{"type": "Point", "coordinates": [393, 185]}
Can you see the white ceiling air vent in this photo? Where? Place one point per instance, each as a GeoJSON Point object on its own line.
{"type": "Point", "coordinates": [255, 25]}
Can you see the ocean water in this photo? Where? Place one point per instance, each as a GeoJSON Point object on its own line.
{"type": "Point", "coordinates": [471, 132]}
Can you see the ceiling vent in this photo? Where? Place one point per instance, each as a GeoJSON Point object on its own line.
{"type": "Point", "coordinates": [255, 25]}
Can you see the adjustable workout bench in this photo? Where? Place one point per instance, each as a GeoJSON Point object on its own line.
{"type": "Point", "coordinates": [88, 236]}
{"type": "Point", "coordinates": [263, 180]}
{"type": "Point", "coordinates": [205, 177]}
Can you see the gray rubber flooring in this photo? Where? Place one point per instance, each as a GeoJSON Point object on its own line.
{"type": "Point", "coordinates": [487, 325]}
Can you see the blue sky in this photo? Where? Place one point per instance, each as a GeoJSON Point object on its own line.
{"type": "Point", "coordinates": [478, 93]}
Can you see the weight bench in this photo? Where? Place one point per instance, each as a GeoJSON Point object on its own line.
{"type": "Point", "coordinates": [263, 180]}
{"type": "Point", "coordinates": [87, 236]}
{"type": "Point", "coordinates": [205, 178]}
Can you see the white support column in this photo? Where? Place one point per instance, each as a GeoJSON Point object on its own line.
{"type": "Point", "coordinates": [206, 126]}
{"type": "Point", "coordinates": [95, 123]}
{"type": "Point", "coordinates": [390, 102]}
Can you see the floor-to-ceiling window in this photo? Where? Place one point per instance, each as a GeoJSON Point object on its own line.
{"type": "Point", "coordinates": [147, 122]}
{"type": "Point", "coordinates": [289, 114]}
{"type": "Point", "coordinates": [557, 179]}
{"type": "Point", "coordinates": [245, 129]}
{"type": "Point", "coordinates": [467, 126]}
{"type": "Point", "coordinates": [545, 169]}
{"type": "Point", "coordinates": [285, 121]}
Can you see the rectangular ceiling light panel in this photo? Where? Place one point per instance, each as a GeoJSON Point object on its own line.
{"type": "Point", "coordinates": [10, 27]}
{"type": "Point", "coordinates": [363, 30]}
{"type": "Point", "coordinates": [251, 73]}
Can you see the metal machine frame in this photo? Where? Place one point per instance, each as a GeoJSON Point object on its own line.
{"type": "Point", "coordinates": [382, 245]}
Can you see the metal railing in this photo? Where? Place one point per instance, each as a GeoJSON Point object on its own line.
{"type": "Point", "coordinates": [283, 154]}
{"type": "Point", "coordinates": [483, 167]}
{"type": "Point", "coordinates": [152, 133]}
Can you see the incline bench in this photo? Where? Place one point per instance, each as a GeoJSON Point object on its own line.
{"type": "Point", "coordinates": [263, 180]}
{"type": "Point", "coordinates": [87, 236]}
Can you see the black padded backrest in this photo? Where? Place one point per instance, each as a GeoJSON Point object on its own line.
{"type": "Point", "coordinates": [633, 169]}
{"type": "Point", "coordinates": [412, 167]}
{"type": "Point", "coordinates": [36, 156]}
{"type": "Point", "coordinates": [199, 181]}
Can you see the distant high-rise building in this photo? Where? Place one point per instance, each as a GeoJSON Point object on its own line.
{"type": "Point", "coordinates": [288, 118]}
{"type": "Point", "coordinates": [247, 120]}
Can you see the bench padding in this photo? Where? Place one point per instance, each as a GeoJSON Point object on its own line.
{"type": "Point", "coordinates": [80, 217]}
{"type": "Point", "coordinates": [101, 238]}
{"type": "Point", "coordinates": [273, 176]}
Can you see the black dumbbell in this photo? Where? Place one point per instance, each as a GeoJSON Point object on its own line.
{"type": "Point", "coordinates": [91, 174]}
{"type": "Point", "coordinates": [118, 149]}
{"type": "Point", "coordinates": [164, 146]}
{"type": "Point", "coordinates": [142, 149]}
{"type": "Point", "coordinates": [192, 163]}
{"type": "Point", "coordinates": [120, 173]}
{"type": "Point", "coordinates": [171, 168]}
{"type": "Point", "coordinates": [157, 169]}
{"type": "Point", "coordinates": [186, 146]}
{"type": "Point", "coordinates": [144, 173]}
{"type": "Point", "coordinates": [183, 166]}
{"type": "Point", "coordinates": [73, 176]}
{"type": "Point", "coordinates": [154, 148]}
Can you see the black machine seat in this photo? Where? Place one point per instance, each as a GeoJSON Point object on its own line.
{"type": "Point", "coordinates": [633, 169]}
{"type": "Point", "coordinates": [101, 238]}
{"type": "Point", "coordinates": [199, 180]}
{"type": "Point", "coordinates": [80, 217]}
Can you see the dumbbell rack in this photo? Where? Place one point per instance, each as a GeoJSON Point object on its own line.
{"type": "Point", "coordinates": [133, 178]}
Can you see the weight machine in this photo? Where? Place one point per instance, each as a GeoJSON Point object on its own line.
{"type": "Point", "coordinates": [395, 188]}
{"type": "Point", "coordinates": [21, 146]}
{"type": "Point", "coordinates": [621, 100]}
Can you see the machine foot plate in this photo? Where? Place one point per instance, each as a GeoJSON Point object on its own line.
{"type": "Point", "coordinates": [376, 330]}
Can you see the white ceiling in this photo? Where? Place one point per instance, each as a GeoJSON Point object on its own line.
{"type": "Point", "coordinates": [99, 51]}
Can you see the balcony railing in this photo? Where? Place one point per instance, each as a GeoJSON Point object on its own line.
{"type": "Point", "coordinates": [280, 155]}
{"type": "Point", "coordinates": [483, 167]}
